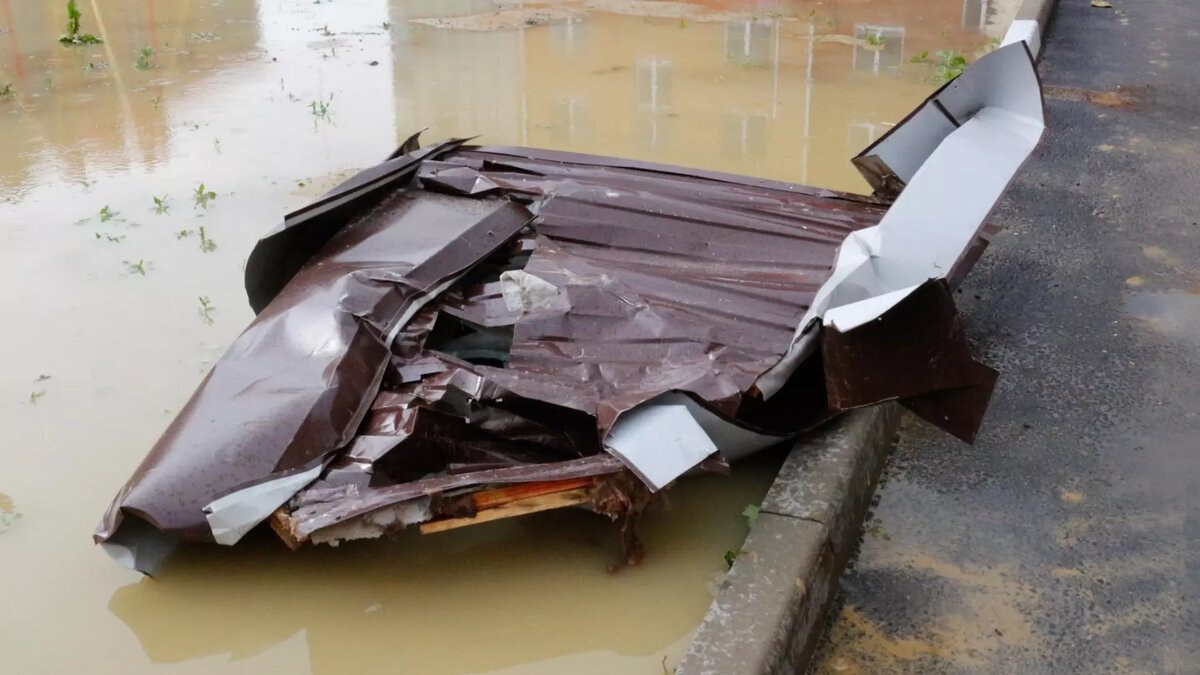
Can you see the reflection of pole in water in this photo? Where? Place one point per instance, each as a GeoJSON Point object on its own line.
{"type": "Point", "coordinates": [654, 85]}
{"type": "Point", "coordinates": [775, 69]}
{"type": "Point", "coordinates": [152, 22]}
{"type": "Point", "coordinates": [573, 106]}
{"type": "Point", "coordinates": [521, 57]}
{"type": "Point", "coordinates": [653, 82]}
{"type": "Point", "coordinates": [974, 14]}
{"type": "Point", "coordinates": [18, 64]}
{"type": "Point", "coordinates": [122, 92]}
{"type": "Point", "coordinates": [808, 85]}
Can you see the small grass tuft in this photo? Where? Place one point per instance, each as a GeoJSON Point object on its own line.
{"type": "Point", "coordinates": [202, 196]}
{"type": "Point", "coordinates": [73, 37]}
{"type": "Point", "coordinates": [320, 109]}
{"type": "Point", "coordinates": [206, 245]}
{"type": "Point", "coordinates": [206, 309]}
{"type": "Point", "coordinates": [751, 513]}
{"type": "Point", "coordinates": [143, 62]}
{"type": "Point", "coordinates": [951, 66]}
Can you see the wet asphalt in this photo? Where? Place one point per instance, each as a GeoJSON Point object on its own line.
{"type": "Point", "coordinates": [1067, 539]}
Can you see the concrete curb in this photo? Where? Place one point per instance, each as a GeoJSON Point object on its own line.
{"type": "Point", "coordinates": [1030, 23]}
{"type": "Point", "coordinates": [770, 610]}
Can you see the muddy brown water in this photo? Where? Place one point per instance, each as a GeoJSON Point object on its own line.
{"type": "Point", "coordinates": [113, 311]}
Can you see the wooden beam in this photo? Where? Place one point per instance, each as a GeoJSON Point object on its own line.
{"type": "Point", "coordinates": [490, 499]}
{"type": "Point", "coordinates": [282, 524]}
{"type": "Point", "coordinates": [518, 507]}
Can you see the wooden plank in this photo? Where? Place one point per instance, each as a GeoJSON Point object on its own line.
{"type": "Point", "coordinates": [490, 499]}
{"type": "Point", "coordinates": [282, 524]}
{"type": "Point", "coordinates": [520, 507]}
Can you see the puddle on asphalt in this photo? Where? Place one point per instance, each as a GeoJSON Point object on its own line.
{"type": "Point", "coordinates": [1173, 314]}
{"type": "Point", "coordinates": [118, 303]}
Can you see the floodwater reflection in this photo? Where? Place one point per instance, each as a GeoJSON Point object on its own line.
{"type": "Point", "coordinates": [118, 303]}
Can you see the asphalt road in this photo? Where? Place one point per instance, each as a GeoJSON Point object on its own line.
{"type": "Point", "coordinates": [1068, 538]}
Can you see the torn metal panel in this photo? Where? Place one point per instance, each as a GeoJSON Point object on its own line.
{"type": "Point", "coordinates": [469, 333]}
{"type": "Point", "coordinates": [231, 516]}
{"type": "Point", "coordinates": [916, 353]}
{"type": "Point", "coordinates": [672, 433]}
{"type": "Point", "coordinates": [295, 385]}
{"type": "Point", "coordinates": [282, 252]}
{"type": "Point", "coordinates": [973, 134]}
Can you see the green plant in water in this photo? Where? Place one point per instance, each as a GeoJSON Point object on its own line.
{"type": "Point", "coordinates": [203, 196]}
{"type": "Point", "coordinates": [6, 90]}
{"type": "Point", "coordinates": [113, 239]}
{"type": "Point", "coordinates": [138, 267]}
{"type": "Point", "coordinates": [730, 557]}
{"type": "Point", "coordinates": [73, 36]}
{"type": "Point", "coordinates": [923, 57]}
{"type": "Point", "coordinates": [183, 234]}
{"type": "Point", "coordinates": [320, 108]}
{"type": "Point", "coordinates": [143, 61]}
{"type": "Point", "coordinates": [207, 245]}
{"type": "Point", "coordinates": [35, 396]}
{"type": "Point", "coordinates": [160, 204]}
{"type": "Point", "coordinates": [206, 309]}
{"type": "Point", "coordinates": [107, 214]}
{"type": "Point", "coordinates": [951, 66]}
{"type": "Point", "coordinates": [876, 40]}
{"type": "Point", "coordinates": [751, 513]}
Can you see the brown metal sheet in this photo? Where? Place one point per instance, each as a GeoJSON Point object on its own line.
{"type": "Point", "coordinates": [295, 385]}
{"type": "Point", "coordinates": [672, 282]}
{"type": "Point", "coordinates": [664, 279]}
{"type": "Point", "coordinates": [917, 353]}
{"type": "Point", "coordinates": [281, 253]}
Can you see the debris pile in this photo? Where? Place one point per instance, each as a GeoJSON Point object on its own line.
{"type": "Point", "coordinates": [464, 333]}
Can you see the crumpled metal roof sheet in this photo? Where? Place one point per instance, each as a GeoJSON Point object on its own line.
{"type": "Point", "coordinates": [467, 332]}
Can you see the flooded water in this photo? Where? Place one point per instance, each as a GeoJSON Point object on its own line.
{"type": "Point", "coordinates": [136, 174]}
